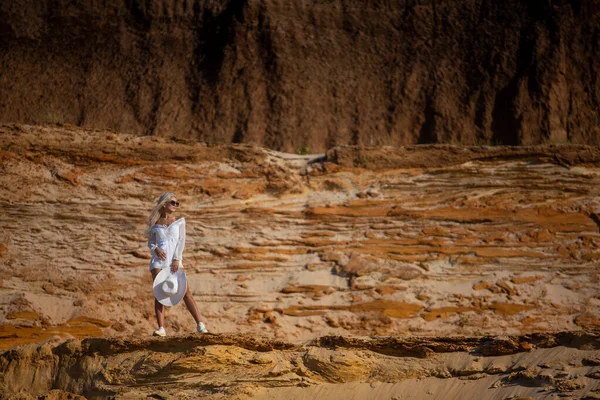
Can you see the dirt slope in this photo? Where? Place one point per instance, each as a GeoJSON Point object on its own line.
{"type": "Point", "coordinates": [287, 74]}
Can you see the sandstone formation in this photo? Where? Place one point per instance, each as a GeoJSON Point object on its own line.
{"type": "Point", "coordinates": [293, 256]}
{"type": "Point", "coordinates": [301, 74]}
{"type": "Point", "coordinates": [543, 366]}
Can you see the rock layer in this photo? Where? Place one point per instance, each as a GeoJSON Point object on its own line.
{"type": "Point", "coordinates": [299, 74]}
{"type": "Point", "coordinates": [425, 240]}
{"type": "Point", "coordinates": [240, 366]}
{"type": "Point", "coordinates": [302, 257]}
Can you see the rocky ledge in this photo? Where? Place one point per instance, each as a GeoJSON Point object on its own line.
{"type": "Point", "coordinates": [246, 366]}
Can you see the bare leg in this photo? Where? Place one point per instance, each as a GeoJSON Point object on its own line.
{"type": "Point", "coordinates": [159, 309]}
{"type": "Point", "coordinates": [190, 303]}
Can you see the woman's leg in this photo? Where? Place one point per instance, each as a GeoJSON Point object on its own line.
{"type": "Point", "coordinates": [190, 303]}
{"type": "Point", "coordinates": [159, 309]}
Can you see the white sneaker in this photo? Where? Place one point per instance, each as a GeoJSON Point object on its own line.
{"type": "Point", "coordinates": [202, 328]}
{"type": "Point", "coordinates": [160, 332]}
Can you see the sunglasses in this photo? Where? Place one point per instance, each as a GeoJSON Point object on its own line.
{"type": "Point", "coordinates": [174, 203]}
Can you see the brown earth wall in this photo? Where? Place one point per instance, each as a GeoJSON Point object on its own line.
{"type": "Point", "coordinates": [288, 74]}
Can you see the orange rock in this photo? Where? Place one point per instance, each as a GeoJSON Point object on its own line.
{"type": "Point", "coordinates": [357, 266]}
{"type": "Point", "coordinates": [497, 237]}
{"type": "Point", "coordinates": [506, 288]}
{"type": "Point", "coordinates": [424, 266]}
{"type": "Point", "coordinates": [311, 266]}
{"type": "Point", "coordinates": [423, 297]}
{"type": "Point", "coordinates": [49, 288]}
{"type": "Point", "coordinates": [528, 321]}
{"type": "Point", "coordinates": [304, 289]}
{"type": "Point", "coordinates": [356, 298]}
{"type": "Point", "coordinates": [487, 252]}
{"type": "Point", "coordinates": [17, 335]}
{"type": "Point", "coordinates": [394, 309]}
{"type": "Point", "coordinates": [562, 251]}
{"type": "Point", "coordinates": [434, 231]}
{"type": "Point", "coordinates": [518, 280]}
{"type": "Point", "coordinates": [125, 179]}
{"type": "Point", "coordinates": [482, 285]}
{"type": "Point", "coordinates": [29, 315]}
{"type": "Point", "coordinates": [371, 235]}
{"type": "Point", "coordinates": [347, 211]}
{"type": "Point", "coordinates": [304, 311]}
{"type": "Point", "coordinates": [259, 210]}
{"type": "Point", "coordinates": [337, 257]}
{"type": "Point", "coordinates": [383, 290]}
{"type": "Point", "coordinates": [316, 242]}
{"type": "Point", "coordinates": [587, 320]}
{"type": "Point", "coordinates": [544, 235]}
{"type": "Point", "coordinates": [72, 176]}
{"type": "Point", "coordinates": [317, 234]}
{"type": "Point", "coordinates": [590, 257]}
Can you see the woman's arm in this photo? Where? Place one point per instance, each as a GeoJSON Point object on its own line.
{"type": "Point", "coordinates": [153, 246]}
{"type": "Point", "coordinates": [180, 243]}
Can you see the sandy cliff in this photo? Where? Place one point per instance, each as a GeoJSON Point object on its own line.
{"type": "Point", "coordinates": [307, 254]}
{"type": "Point", "coordinates": [288, 74]}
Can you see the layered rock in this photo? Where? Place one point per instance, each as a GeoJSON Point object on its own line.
{"type": "Point", "coordinates": [241, 367]}
{"type": "Point", "coordinates": [420, 240]}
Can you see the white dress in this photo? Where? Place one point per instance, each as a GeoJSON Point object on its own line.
{"type": "Point", "coordinates": [170, 239]}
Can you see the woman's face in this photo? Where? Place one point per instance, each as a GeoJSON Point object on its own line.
{"type": "Point", "coordinates": [171, 205]}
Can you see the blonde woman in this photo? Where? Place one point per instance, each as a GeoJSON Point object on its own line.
{"type": "Point", "coordinates": [166, 240]}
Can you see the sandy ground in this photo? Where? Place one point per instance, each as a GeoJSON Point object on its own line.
{"type": "Point", "coordinates": [426, 241]}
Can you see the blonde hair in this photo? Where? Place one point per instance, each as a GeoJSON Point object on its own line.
{"type": "Point", "coordinates": [155, 213]}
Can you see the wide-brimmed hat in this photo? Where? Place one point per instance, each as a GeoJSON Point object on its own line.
{"type": "Point", "coordinates": [169, 288]}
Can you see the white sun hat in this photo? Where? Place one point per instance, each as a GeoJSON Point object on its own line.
{"type": "Point", "coordinates": [170, 288]}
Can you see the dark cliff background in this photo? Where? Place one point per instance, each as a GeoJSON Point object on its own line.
{"type": "Point", "coordinates": [318, 73]}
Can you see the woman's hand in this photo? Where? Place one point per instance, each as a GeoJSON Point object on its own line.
{"type": "Point", "coordinates": [175, 266]}
{"type": "Point", "coordinates": [162, 255]}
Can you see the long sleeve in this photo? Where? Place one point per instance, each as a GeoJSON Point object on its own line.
{"type": "Point", "coordinates": [152, 242]}
{"type": "Point", "coordinates": [180, 242]}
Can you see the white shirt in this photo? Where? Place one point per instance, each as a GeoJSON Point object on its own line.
{"type": "Point", "coordinates": [170, 239]}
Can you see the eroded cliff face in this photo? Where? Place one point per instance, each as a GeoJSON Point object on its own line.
{"type": "Point", "coordinates": [242, 367]}
{"type": "Point", "coordinates": [287, 74]}
{"type": "Point", "coordinates": [423, 240]}
{"type": "Point", "coordinates": [294, 261]}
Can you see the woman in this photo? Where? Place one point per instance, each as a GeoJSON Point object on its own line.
{"type": "Point", "coordinates": [166, 240]}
